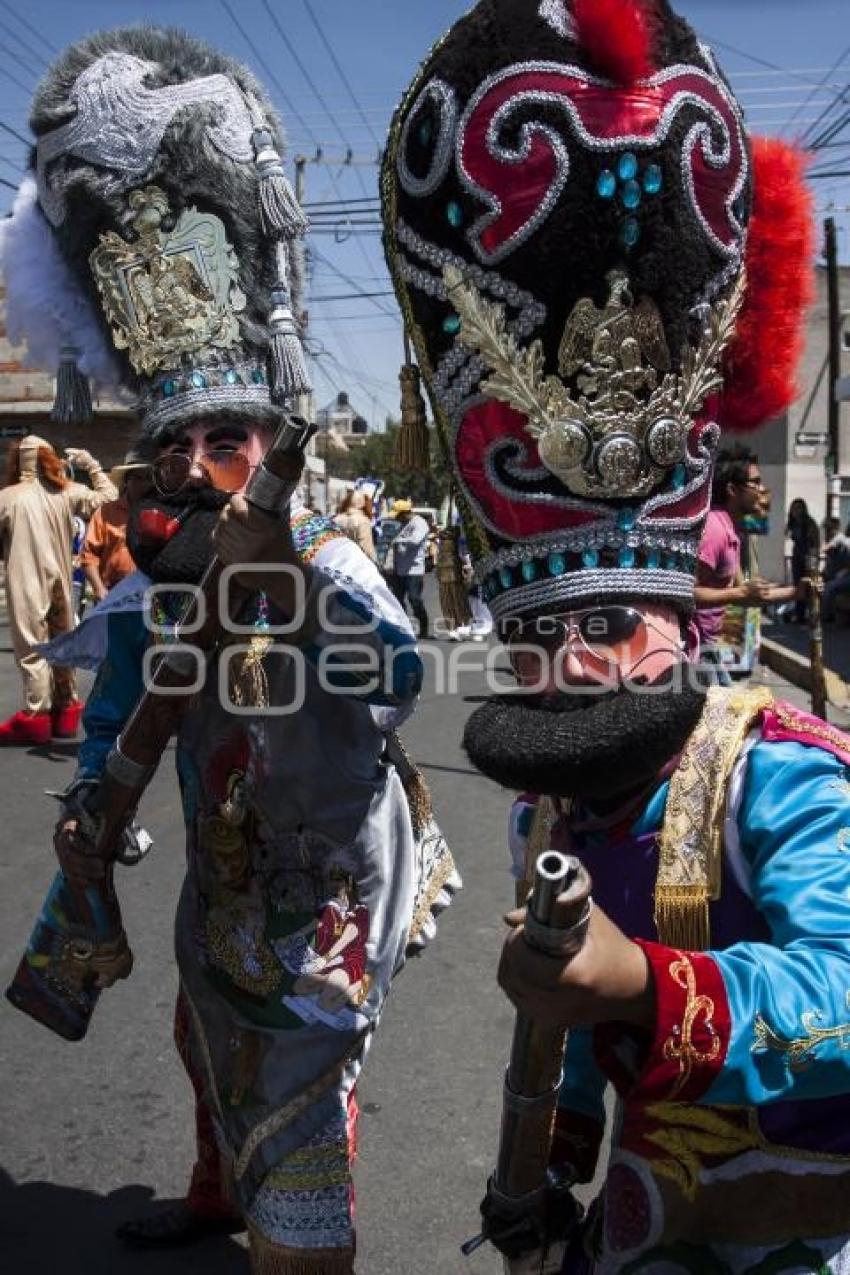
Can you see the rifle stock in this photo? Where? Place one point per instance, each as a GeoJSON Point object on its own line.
{"type": "Point", "coordinates": [78, 945]}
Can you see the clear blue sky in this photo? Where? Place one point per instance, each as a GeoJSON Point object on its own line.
{"type": "Point", "coordinates": [377, 44]}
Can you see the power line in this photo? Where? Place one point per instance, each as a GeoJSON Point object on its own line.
{"type": "Point", "coordinates": [11, 185]}
{"type": "Point", "coordinates": [27, 26]}
{"type": "Point", "coordinates": [26, 87]}
{"type": "Point", "coordinates": [832, 69]}
{"type": "Point", "coordinates": [19, 57]}
{"type": "Point", "coordinates": [751, 57]}
{"type": "Point", "coordinates": [7, 128]}
{"type": "Point", "coordinates": [293, 53]}
{"type": "Point", "coordinates": [340, 72]}
{"type": "Point", "coordinates": [269, 72]}
{"type": "Point", "coordinates": [350, 296]}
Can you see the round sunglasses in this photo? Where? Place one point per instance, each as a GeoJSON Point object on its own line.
{"type": "Point", "coordinates": [600, 638]}
{"type": "Point", "coordinates": [225, 470]}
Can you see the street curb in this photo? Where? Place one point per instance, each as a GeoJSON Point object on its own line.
{"type": "Point", "coordinates": [797, 670]}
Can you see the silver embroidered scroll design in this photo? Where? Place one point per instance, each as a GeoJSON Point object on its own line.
{"type": "Point", "coordinates": [559, 19]}
{"type": "Point", "coordinates": [120, 124]}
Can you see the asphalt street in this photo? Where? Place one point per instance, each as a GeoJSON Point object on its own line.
{"type": "Point", "coordinates": [93, 1132]}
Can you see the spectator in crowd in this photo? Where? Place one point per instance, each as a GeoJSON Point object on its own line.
{"type": "Point", "coordinates": [407, 575]}
{"type": "Point", "coordinates": [105, 557]}
{"type": "Point", "coordinates": [737, 493]}
{"type": "Point", "coordinates": [37, 508]}
{"type": "Point", "coordinates": [803, 532]}
{"type": "Point", "coordinates": [355, 519]}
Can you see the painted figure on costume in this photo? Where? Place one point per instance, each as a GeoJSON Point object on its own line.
{"type": "Point", "coordinates": [305, 883]}
{"type": "Point", "coordinates": [599, 271]}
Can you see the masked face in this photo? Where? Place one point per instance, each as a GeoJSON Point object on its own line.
{"type": "Point", "coordinates": [170, 530]}
{"type": "Point", "coordinates": [609, 703]}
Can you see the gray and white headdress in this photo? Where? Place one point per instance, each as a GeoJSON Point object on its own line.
{"type": "Point", "coordinates": [155, 242]}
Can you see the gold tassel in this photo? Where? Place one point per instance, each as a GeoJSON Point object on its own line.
{"type": "Point", "coordinates": [681, 916]}
{"type": "Point", "coordinates": [248, 683]}
{"type": "Point", "coordinates": [275, 1259]}
{"type": "Point", "coordinates": [413, 452]}
{"type": "Point", "coordinates": [454, 595]}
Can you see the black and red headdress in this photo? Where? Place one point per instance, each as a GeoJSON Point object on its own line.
{"type": "Point", "coordinates": [569, 220]}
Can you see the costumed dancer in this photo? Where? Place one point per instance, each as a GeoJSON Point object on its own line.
{"type": "Point", "coordinates": [158, 202]}
{"type": "Point", "coordinates": [598, 270]}
{"type": "Point", "coordinates": [38, 506]}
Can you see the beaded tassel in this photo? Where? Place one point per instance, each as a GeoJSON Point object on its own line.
{"type": "Point", "coordinates": [413, 441]}
{"type": "Point", "coordinates": [289, 374]}
{"type": "Point", "coordinates": [72, 404]}
{"type": "Point", "coordinates": [454, 596]}
{"type": "Point", "coordinates": [281, 214]}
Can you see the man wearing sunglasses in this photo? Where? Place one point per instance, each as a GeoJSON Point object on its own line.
{"type": "Point", "coordinates": [592, 303]}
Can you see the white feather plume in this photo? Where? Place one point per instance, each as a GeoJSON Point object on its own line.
{"type": "Point", "coordinates": [45, 307]}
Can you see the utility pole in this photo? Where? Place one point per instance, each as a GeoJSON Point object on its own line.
{"type": "Point", "coordinates": [834, 360]}
{"type": "Point", "coordinates": [304, 405]}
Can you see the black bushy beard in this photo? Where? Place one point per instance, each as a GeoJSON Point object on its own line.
{"type": "Point", "coordinates": [185, 556]}
{"type": "Point", "coordinates": [578, 745]}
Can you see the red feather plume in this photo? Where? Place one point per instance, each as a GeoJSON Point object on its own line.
{"type": "Point", "coordinates": [761, 363]}
{"type": "Point", "coordinates": [616, 36]}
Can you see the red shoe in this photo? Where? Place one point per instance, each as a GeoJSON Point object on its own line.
{"type": "Point", "coordinates": [26, 728]}
{"type": "Point", "coordinates": [66, 721]}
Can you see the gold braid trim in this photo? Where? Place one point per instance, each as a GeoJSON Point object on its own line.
{"type": "Point", "coordinates": [691, 842]}
{"type": "Point", "coordinates": [286, 1114]}
{"type": "Point", "coordinates": [277, 1259]}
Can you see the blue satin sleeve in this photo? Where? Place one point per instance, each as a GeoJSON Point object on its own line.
{"type": "Point", "coordinates": [789, 1000]}
{"type": "Point", "coordinates": [116, 691]}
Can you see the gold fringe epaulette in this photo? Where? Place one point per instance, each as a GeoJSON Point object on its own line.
{"type": "Point", "coordinates": [690, 847]}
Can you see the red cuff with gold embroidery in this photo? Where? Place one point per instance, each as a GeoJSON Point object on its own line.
{"type": "Point", "coordinates": [692, 1026]}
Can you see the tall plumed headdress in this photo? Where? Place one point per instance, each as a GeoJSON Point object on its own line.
{"type": "Point", "coordinates": [155, 242]}
{"type": "Point", "coordinates": [567, 194]}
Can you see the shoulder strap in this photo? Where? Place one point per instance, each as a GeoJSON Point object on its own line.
{"type": "Point", "coordinates": [691, 841]}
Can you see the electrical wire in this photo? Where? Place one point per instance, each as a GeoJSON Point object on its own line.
{"type": "Point", "coordinates": [19, 57]}
{"type": "Point", "coordinates": [7, 128]}
{"type": "Point", "coordinates": [27, 26]}
{"type": "Point", "coordinates": [830, 72]}
{"type": "Point", "coordinates": [27, 88]}
{"type": "Point", "coordinates": [339, 70]}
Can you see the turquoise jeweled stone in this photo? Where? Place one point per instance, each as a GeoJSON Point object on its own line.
{"type": "Point", "coordinates": [505, 577]}
{"type": "Point", "coordinates": [529, 571]}
{"type": "Point", "coordinates": [169, 389]}
{"type": "Point", "coordinates": [627, 557]}
{"type": "Point", "coordinates": [606, 184]}
{"type": "Point", "coordinates": [590, 558]}
{"type": "Point", "coordinates": [671, 562]}
{"type": "Point", "coordinates": [630, 232]}
{"type": "Point", "coordinates": [627, 166]}
{"type": "Point", "coordinates": [653, 558]}
{"type": "Point", "coordinates": [454, 214]}
{"type": "Point", "coordinates": [258, 376]}
{"type": "Point", "coordinates": [679, 477]}
{"type": "Point", "coordinates": [653, 179]}
{"type": "Point", "coordinates": [626, 519]}
{"type": "Point", "coordinates": [451, 324]}
{"type": "Point", "coordinates": [231, 377]}
{"type": "Point", "coordinates": [557, 564]}
{"type": "Point", "coordinates": [425, 132]}
{"type": "Point", "coordinates": [631, 195]}
{"type": "Point", "coordinates": [199, 380]}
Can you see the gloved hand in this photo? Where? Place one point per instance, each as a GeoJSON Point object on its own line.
{"type": "Point", "coordinates": [81, 459]}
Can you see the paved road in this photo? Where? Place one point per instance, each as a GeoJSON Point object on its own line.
{"type": "Point", "coordinates": [92, 1131]}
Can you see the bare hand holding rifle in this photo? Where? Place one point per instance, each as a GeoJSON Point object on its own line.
{"type": "Point", "coordinates": [78, 945]}
{"type": "Point", "coordinates": [564, 964]}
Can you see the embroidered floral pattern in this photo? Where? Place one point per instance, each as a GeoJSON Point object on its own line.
{"type": "Point", "coordinates": [680, 1046]}
{"type": "Point", "coordinates": [800, 1050]}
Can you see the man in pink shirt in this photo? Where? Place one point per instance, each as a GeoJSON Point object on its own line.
{"type": "Point", "coordinates": [737, 492]}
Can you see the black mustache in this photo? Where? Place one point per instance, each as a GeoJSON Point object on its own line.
{"type": "Point", "coordinates": [591, 746]}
